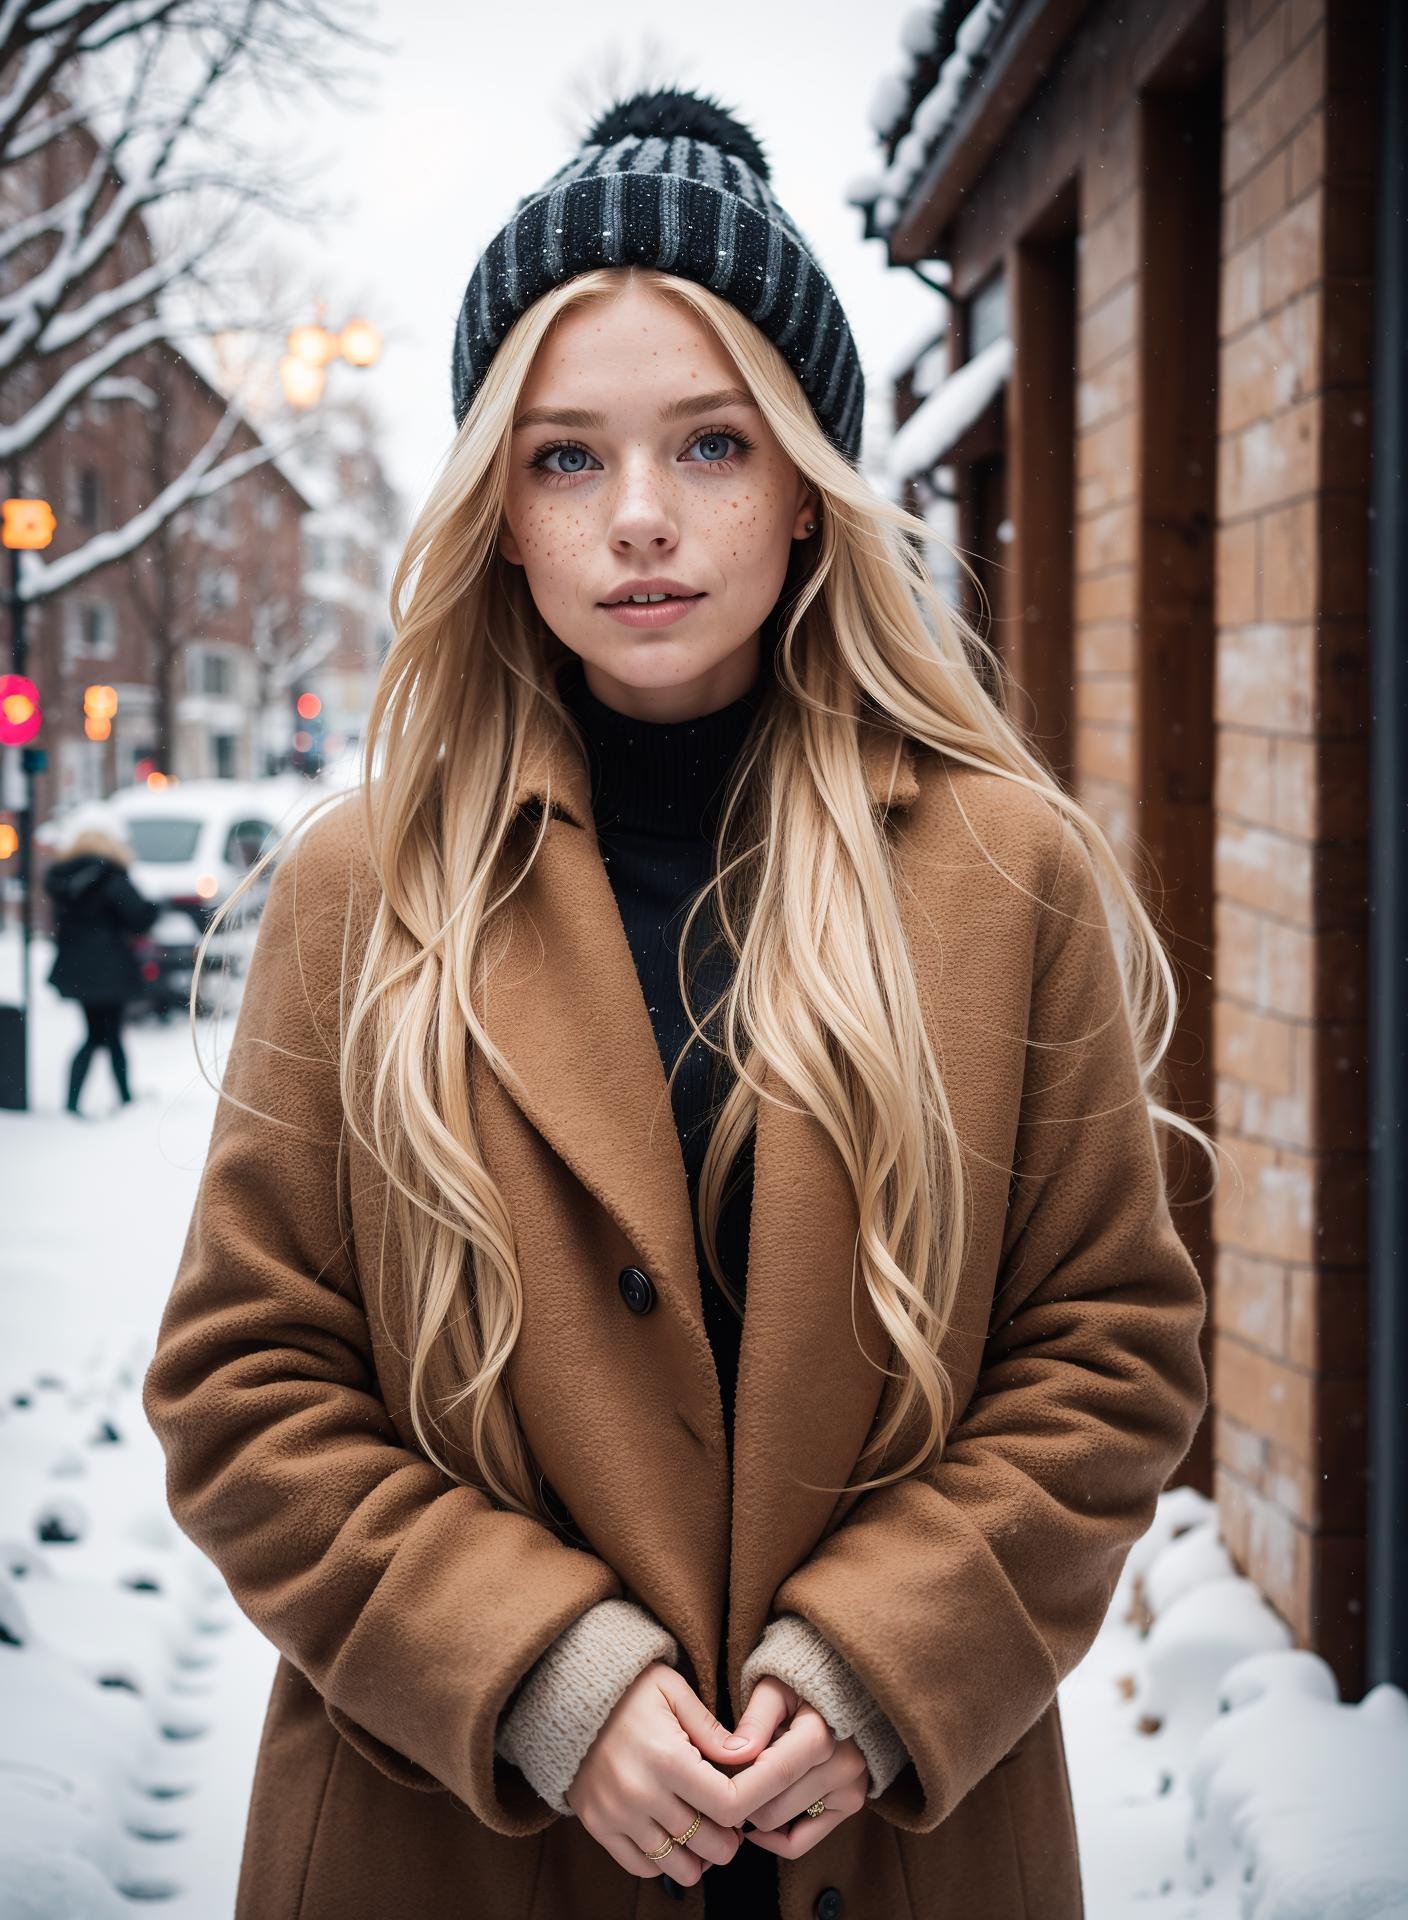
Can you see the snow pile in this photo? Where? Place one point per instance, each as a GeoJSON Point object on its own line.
{"type": "Point", "coordinates": [107, 1623]}
{"type": "Point", "coordinates": [1298, 1798]}
{"type": "Point", "coordinates": [1214, 1769]}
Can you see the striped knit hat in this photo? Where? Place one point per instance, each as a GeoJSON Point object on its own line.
{"type": "Point", "coordinates": [669, 180]}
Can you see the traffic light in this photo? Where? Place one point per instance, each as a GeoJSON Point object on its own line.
{"type": "Point", "coordinates": [99, 707]}
{"type": "Point", "coordinates": [26, 524]}
{"type": "Point", "coordinates": [20, 713]}
{"type": "Point", "coordinates": [306, 751]}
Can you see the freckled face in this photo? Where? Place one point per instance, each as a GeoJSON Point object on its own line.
{"type": "Point", "coordinates": [676, 476]}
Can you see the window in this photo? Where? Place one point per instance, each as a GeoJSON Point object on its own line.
{"type": "Point", "coordinates": [93, 630]}
{"type": "Point", "coordinates": [270, 511]}
{"type": "Point", "coordinates": [215, 673]}
{"type": "Point", "coordinates": [218, 588]}
{"type": "Point", "coordinates": [223, 745]}
{"type": "Point", "coordinates": [987, 314]}
{"type": "Point", "coordinates": [163, 839]}
{"type": "Point", "coordinates": [86, 497]}
{"type": "Point", "coordinates": [246, 841]}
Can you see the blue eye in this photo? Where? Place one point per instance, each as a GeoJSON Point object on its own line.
{"type": "Point", "coordinates": [719, 441]}
{"type": "Point", "coordinates": [575, 457]}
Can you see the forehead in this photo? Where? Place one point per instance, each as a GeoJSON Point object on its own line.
{"type": "Point", "coordinates": [632, 344]}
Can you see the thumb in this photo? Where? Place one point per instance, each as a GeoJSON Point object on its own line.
{"type": "Point", "coordinates": [706, 1731]}
{"type": "Point", "coordinates": [769, 1704]}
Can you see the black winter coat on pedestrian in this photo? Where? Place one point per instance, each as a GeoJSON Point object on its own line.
{"type": "Point", "coordinates": [96, 911]}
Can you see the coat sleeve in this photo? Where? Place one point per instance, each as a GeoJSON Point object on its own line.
{"type": "Point", "coordinates": [413, 1605]}
{"type": "Point", "coordinates": [963, 1597]}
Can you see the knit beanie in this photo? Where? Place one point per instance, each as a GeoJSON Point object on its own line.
{"type": "Point", "coordinates": [669, 180]}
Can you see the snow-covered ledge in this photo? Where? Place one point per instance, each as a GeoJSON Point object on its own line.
{"type": "Point", "coordinates": [948, 413]}
{"type": "Point", "coordinates": [1215, 1770]}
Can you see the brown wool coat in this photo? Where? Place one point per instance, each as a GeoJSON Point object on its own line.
{"type": "Point", "coordinates": [407, 1610]}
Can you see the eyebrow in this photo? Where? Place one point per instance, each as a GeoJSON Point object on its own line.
{"type": "Point", "coordinates": [672, 410]}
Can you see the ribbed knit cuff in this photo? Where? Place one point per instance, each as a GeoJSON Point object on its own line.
{"type": "Point", "coordinates": [570, 1690]}
{"type": "Point", "coordinates": [794, 1651]}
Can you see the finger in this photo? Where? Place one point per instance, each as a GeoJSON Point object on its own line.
{"type": "Point", "coordinates": [791, 1842]}
{"type": "Point", "coordinates": [709, 1840]}
{"type": "Point", "coordinates": [680, 1863]}
{"type": "Point", "coordinates": [706, 1731]}
{"type": "Point", "coordinates": [844, 1769]}
{"type": "Point", "coordinates": [769, 1704]}
{"type": "Point", "coordinates": [807, 1743]}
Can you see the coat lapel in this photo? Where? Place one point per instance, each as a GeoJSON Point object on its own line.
{"type": "Point", "coordinates": [566, 1010]}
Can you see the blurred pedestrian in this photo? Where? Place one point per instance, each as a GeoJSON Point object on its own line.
{"type": "Point", "coordinates": [97, 909]}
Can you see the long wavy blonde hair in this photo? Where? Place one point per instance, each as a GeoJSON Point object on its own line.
{"type": "Point", "coordinates": [823, 992]}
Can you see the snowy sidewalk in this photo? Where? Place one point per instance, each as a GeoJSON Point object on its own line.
{"type": "Point", "coordinates": [1215, 1774]}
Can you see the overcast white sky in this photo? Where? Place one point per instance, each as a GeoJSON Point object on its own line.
{"type": "Point", "coordinates": [477, 105]}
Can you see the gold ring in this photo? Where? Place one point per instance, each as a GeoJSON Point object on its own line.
{"type": "Point", "coordinates": [683, 1839]}
{"type": "Point", "coordinates": [660, 1852]}
{"type": "Point", "coordinates": [816, 1807]}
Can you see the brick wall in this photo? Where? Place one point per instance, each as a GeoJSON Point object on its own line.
{"type": "Point", "coordinates": [1291, 807]}
{"type": "Point", "coordinates": [1106, 523]}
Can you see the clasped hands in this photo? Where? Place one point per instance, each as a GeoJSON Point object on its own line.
{"type": "Point", "coordinates": [660, 1757]}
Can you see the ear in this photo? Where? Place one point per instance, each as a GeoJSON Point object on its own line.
{"type": "Point", "coordinates": [808, 509]}
{"type": "Point", "coordinates": [508, 546]}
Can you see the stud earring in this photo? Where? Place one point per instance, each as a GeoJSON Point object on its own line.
{"type": "Point", "coordinates": [811, 526]}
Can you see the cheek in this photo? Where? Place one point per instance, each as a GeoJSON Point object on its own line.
{"type": "Point", "coordinates": [553, 536]}
{"type": "Point", "coordinates": [747, 524]}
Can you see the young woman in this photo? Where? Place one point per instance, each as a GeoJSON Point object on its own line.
{"type": "Point", "coordinates": [681, 1323]}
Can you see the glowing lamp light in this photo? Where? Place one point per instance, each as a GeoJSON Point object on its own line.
{"type": "Point", "coordinates": [9, 840]}
{"type": "Point", "coordinates": [309, 706]}
{"type": "Point", "coordinates": [97, 728]}
{"type": "Point", "coordinates": [156, 780]}
{"type": "Point", "coordinates": [27, 524]}
{"type": "Point", "coordinates": [302, 384]}
{"type": "Point", "coordinates": [100, 703]}
{"type": "Point", "coordinates": [207, 886]}
{"type": "Point", "coordinates": [20, 713]}
{"type": "Point", "coordinates": [315, 346]}
{"type": "Point", "coordinates": [360, 343]}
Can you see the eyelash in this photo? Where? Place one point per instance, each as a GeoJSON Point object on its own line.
{"type": "Point", "coordinates": [552, 478]}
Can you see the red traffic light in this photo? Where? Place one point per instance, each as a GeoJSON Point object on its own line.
{"type": "Point", "coordinates": [20, 714]}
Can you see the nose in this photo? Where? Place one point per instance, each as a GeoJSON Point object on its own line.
{"type": "Point", "coordinates": [644, 516]}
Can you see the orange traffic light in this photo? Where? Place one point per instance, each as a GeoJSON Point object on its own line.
{"type": "Point", "coordinates": [27, 523]}
{"type": "Point", "coordinates": [20, 713]}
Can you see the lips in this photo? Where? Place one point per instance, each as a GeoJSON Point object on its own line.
{"type": "Point", "coordinates": [672, 589]}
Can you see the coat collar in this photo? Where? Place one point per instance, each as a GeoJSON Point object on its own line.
{"type": "Point", "coordinates": [553, 764]}
{"type": "Point", "coordinates": [567, 1012]}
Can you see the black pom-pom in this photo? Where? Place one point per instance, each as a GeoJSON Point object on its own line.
{"type": "Point", "coordinates": [670, 113]}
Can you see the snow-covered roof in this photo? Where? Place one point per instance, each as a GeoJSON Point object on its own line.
{"type": "Point", "coordinates": [974, 36]}
{"type": "Point", "coordinates": [948, 413]}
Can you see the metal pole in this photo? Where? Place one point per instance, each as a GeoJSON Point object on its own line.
{"type": "Point", "coordinates": [1386, 1651]}
{"type": "Point", "coordinates": [17, 1091]}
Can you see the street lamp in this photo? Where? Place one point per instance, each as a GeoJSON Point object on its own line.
{"type": "Point", "coordinates": [312, 350]}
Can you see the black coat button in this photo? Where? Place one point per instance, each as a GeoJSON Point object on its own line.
{"type": "Point", "coordinates": [829, 1904]}
{"type": "Point", "coordinates": [637, 1289]}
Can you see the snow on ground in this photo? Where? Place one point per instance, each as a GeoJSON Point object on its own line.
{"type": "Point", "coordinates": [1216, 1776]}
{"type": "Point", "coordinates": [1215, 1772]}
{"type": "Point", "coordinates": [130, 1710]}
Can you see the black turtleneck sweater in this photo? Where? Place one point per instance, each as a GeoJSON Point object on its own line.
{"type": "Point", "coordinates": [657, 793]}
